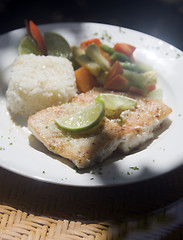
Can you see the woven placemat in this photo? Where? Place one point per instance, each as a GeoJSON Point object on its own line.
{"type": "Point", "coordinates": [15, 224]}
{"type": "Point", "coordinates": [151, 209]}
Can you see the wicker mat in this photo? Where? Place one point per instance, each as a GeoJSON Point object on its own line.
{"type": "Point", "coordinates": [31, 209]}
{"type": "Point", "coordinates": [15, 224]}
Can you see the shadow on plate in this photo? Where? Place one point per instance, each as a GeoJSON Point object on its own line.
{"type": "Point", "coordinates": [116, 156]}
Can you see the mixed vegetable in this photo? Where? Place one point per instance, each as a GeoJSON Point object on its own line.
{"type": "Point", "coordinates": [113, 68]}
{"type": "Point", "coordinates": [95, 63]}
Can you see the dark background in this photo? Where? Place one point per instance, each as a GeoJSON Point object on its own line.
{"type": "Point", "coordinates": [159, 18]}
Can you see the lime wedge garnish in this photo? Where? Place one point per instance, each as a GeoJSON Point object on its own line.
{"type": "Point", "coordinates": [156, 94]}
{"type": "Point", "coordinates": [27, 45]}
{"type": "Point", "coordinates": [56, 45]}
{"type": "Point", "coordinates": [115, 104]}
{"type": "Point", "coordinates": [83, 121]}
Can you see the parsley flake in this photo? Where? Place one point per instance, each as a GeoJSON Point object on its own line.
{"type": "Point", "coordinates": [134, 168]}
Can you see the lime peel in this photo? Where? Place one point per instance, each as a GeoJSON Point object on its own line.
{"type": "Point", "coordinates": [89, 118]}
{"type": "Point", "coordinates": [27, 46]}
{"type": "Point", "coordinates": [115, 104]}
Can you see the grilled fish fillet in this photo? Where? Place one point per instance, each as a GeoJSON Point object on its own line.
{"type": "Point", "coordinates": [85, 150]}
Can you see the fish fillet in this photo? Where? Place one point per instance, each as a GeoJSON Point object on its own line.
{"type": "Point", "coordinates": [85, 149]}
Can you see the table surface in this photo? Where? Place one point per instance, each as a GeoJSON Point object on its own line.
{"type": "Point", "coordinates": [152, 209]}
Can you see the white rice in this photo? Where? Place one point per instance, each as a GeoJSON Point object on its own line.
{"type": "Point", "coordinates": [37, 82]}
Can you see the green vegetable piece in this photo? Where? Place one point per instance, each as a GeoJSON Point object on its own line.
{"type": "Point", "coordinates": [93, 67]}
{"type": "Point", "coordinates": [83, 121]}
{"type": "Point", "coordinates": [101, 78]}
{"type": "Point", "coordinates": [77, 51]}
{"type": "Point", "coordinates": [95, 54]}
{"type": "Point", "coordinates": [115, 104]}
{"type": "Point", "coordinates": [120, 57]}
{"type": "Point", "coordinates": [140, 80]}
{"type": "Point", "coordinates": [27, 45]}
{"type": "Point", "coordinates": [57, 45]}
{"type": "Point", "coordinates": [143, 67]}
{"type": "Point", "coordinates": [136, 67]}
{"type": "Point", "coordinates": [107, 49]}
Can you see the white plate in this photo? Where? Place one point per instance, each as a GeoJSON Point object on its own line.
{"type": "Point", "coordinates": [29, 158]}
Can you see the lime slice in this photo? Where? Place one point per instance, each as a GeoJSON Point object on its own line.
{"type": "Point", "coordinates": [27, 45]}
{"type": "Point", "coordinates": [156, 94]}
{"type": "Point", "coordinates": [115, 104]}
{"type": "Point", "coordinates": [56, 45]}
{"type": "Point", "coordinates": [83, 121]}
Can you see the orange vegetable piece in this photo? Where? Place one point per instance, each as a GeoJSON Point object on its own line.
{"type": "Point", "coordinates": [36, 35]}
{"type": "Point", "coordinates": [117, 83]}
{"type": "Point", "coordinates": [27, 27]}
{"type": "Point", "coordinates": [149, 88]}
{"type": "Point", "coordinates": [84, 79]}
{"type": "Point", "coordinates": [124, 48]}
{"type": "Point", "coordinates": [107, 56]}
{"type": "Point", "coordinates": [136, 90]}
{"type": "Point", "coordinates": [115, 69]}
{"type": "Point", "coordinates": [84, 44]}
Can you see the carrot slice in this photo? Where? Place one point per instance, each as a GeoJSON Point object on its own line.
{"type": "Point", "coordinates": [115, 69]}
{"type": "Point", "coordinates": [84, 79]}
{"type": "Point", "coordinates": [107, 56]}
{"type": "Point", "coordinates": [27, 27]}
{"type": "Point", "coordinates": [84, 44]}
{"type": "Point", "coordinates": [124, 48]}
{"type": "Point", "coordinates": [117, 83]}
{"type": "Point", "coordinates": [149, 88]}
{"type": "Point", "coordinates": [137, 91]}
{"type": "Point", "coordinates": [36, 35]}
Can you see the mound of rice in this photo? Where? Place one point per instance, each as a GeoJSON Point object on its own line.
{"type": "Point", "coordinates": [37, 82]}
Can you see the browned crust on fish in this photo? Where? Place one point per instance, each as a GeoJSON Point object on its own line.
{"type": "Point", "coordinates": [85, 149]}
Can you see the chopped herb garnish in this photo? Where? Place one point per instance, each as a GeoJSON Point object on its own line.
{"type": "Point", "coordinates": [93, 172]}
{"type": "Point", "coordinates": [53, 147]}
{"type": "Point", "coordinates": [43, 171]}
{"type": "Point", "coordinates": [121, 30]}
{"type": "Point", "coordinates": [91, 178]}
{"type": "Point", "coordinates": [106, 36]}
{"type": "Point", "coordinates": [134, 168]}
{"type": "Point", "coordinates": [2, 148]}
{"type": "Point", "coordinates": [10, 143]}
{"type": "Point", "coordinates": [178, 55]}
{"type": "Point", "coordinates": [128, 173]}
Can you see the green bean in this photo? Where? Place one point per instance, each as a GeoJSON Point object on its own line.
{"type": "Point", "coordinates": [107, 49]}
{"type": "Point", "coordinates": [136, 67]}
{"type": "Point", "coordinates": [120, 57]}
